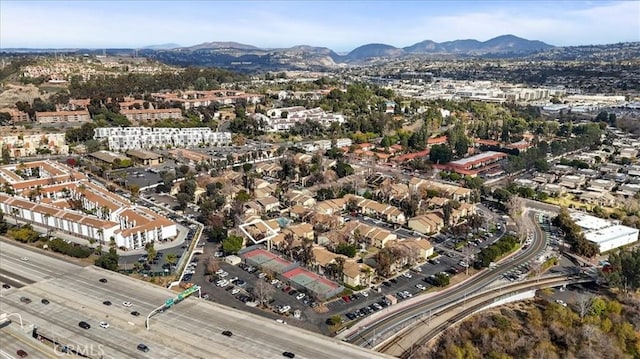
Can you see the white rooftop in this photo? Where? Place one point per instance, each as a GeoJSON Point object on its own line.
{"type": "Point", "coordinates": [589, 223]}
{"type": "Point", "coordinates": [606, 234]}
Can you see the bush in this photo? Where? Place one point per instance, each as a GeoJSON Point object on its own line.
{"type": "Point", "coordinates": [70, 249]}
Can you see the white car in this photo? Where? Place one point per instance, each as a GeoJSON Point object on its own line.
{"type": "Point", "coordinates": [407, 275]}
{"type": "Point", "coordinates": [223, 274]}
{"type": "Point", "coordinates": [25, 258]}
{"type": "Point", "coordinates": [284, 309]}
{"type": "Point", "coordinates": [127, 304]}
{"type": "Point", "coordinates": [365, 294]}
{"type": "Point", "coordinates": [235, 291]}
{"type": "Point", "coordinates": [300, 296]}
{"type": "Point", "coordinates": [104, 325]}
{"type": "Point", "coordinates": [561, 302]}
{"type": "Point", "coordinates": [281, 321]}
{"type": "Point", "coordinates": [274, 281]}
{"type": "Point", "coordinates": [421, 287]}
{"type": "Point", "coordinates": [219, 271]}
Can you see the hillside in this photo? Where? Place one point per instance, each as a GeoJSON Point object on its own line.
{"type": "Point", "coordinates": [539, 329]}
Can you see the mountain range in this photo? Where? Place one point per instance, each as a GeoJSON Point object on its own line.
{"type": "Point", "coordinates": [505, 44]}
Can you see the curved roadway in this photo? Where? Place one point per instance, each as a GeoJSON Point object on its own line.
{"type": "Point", "coordinates": [368, 335]}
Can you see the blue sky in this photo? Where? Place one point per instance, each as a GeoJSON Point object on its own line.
{"type": "Point", "coordinates": [340, 25]}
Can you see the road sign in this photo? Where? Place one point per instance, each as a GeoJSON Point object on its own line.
{"type": "Point", "coordinates": [188, 292]}
{"type": "Point", "coordinates": [169, 302]}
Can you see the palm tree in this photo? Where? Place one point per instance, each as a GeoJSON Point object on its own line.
{"type": "Point", "coordinates": [340, 268]}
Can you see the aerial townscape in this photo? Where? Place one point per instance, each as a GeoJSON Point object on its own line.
{"type": "Point", "coordinates": [472, 196]}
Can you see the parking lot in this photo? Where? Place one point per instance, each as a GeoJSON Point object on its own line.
{"type": "Point", "coordinates": [159, 263]}
{"type": "Point", "coordinates": [139, 176]}
{"type": "Point", "coordinates": [238, 290]}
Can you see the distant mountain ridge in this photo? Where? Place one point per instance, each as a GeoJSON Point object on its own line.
{"type": "Point", "coordinates": [469, 47]}
{"type": "Point", "coordinates": [248, 58]}
{"type": "Point", "coordinates": [500, 44]}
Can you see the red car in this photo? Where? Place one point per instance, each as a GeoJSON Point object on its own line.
{"type": "Point", "coordinates": [346, 298]}
{"type": "Point", "coordinates": [21, 353]}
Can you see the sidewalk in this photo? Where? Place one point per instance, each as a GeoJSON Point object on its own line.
{"type": "Point", "coordinates": [182, 233]}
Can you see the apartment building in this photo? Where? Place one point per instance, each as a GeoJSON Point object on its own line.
{"type": "Point", "coordinates": [63, 199]}
{"type": "Point", "coordinates": [16, 116]}
{"type": "Point", "coordinates": [63, 117]}
{"type": "Point", "coordinates": [283, 119]}
{"type": "Point", "coordinates": [28, 145]}
{"type": "Point", "coordinates": [193, 99]}
{"type": "Point", "coordinates": [128, 138]}
{"type": "Point", "coordinates": [138, 115]}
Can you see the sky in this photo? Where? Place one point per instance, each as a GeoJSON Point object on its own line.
{"type": "Point", "coordinates": [339, 25]}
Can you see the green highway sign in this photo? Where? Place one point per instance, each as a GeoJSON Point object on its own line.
{"type": "Point", "coordinates": [169, 302]}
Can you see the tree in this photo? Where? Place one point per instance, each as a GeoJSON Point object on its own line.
{"type": "Point", "coordinates": [440, 154]}
{"type": "Point", "coordinates": [232, 245]}
{"type": "Point", "coordinates": [263, 292]}
{"type": "Point", "coordinates": [183, 200]}
{"type": "Point", "coordinates": [151, 251]}
{"type": "Point", "coordinates": [348, 250]}
{"type": "Point", "coordinates": [108, 260]}
{"type": "Point", "coordinates": [172, 259]}
{"type": "Point", "coordinates": [334, 320]}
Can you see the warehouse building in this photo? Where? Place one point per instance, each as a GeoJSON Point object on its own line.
{"type": "Point", "coordinates": [606, 234]}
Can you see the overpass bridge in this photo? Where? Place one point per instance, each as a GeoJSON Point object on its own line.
{"type": "Point", "coordinates": [429, 325]}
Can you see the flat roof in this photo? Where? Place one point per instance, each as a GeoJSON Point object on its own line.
{"type": "Point", "coordinates": [478, 158]}
{"type": "Point", "coordinates": [610, 233]}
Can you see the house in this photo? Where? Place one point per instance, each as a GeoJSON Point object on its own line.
{"type": "Point", "coordinates": [298, 212]}
{"type": "Point", "coordinates": [323, 257]}
{"type": "Point", "coordinates": [146, 158]}
{"type": "Point", "coordinates": [331, 206]}
{"type": "Point", "coordinates": [356, 274]}
{"type": "Point", "coordinates": [109, 157]}
{"type": "Point", "coordinates": [426, 223]}
{"type": "Point", "coordinates": [269, 203]}
{"type": "Point", "coordinates": [300, 231]}
{"type": "Point", "coordinates": [301, 198]}
{"type": "Point", "coordinates": [572, 181]}
{"type": "Point", "coordinates": [417, 249]}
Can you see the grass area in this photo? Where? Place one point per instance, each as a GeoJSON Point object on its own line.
{"type": "Point", "coordinates": [570, 201]}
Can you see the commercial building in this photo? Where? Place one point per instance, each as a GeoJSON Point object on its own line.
{"type": "Point", "coordinates": [606, 234]}
{"type": "Point", "coordinates": [60, 198]}
{"type": "Point", "coordinates": [477, 164]}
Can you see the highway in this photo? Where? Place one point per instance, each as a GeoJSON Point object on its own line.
{"type": "Point", "coordinates": [382, 327]}
{"type": "Point", "coordinates": [190, 329]}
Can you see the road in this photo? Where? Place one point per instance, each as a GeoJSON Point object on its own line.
{"type": "Point", "coordinates": [426, 329]}
{"type": "Point", "coordinates": [76, 294]}
{"type": "Point", "coordinates": [377, 327]}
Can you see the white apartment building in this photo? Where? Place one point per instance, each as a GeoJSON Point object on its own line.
{"type": "Point", "coordinates": [135, 138]}
{"type": "Point", "coordinates": [283, 119]}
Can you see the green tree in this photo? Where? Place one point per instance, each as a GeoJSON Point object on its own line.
{"type": "Point", "coordinates": [232, 244]}
{"type": "Point", "coordinates": [440, 154]}
{"type": "Point", "coordinates": [108, 260]}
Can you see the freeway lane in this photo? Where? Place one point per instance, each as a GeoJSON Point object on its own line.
{"type": "Point", "coordinates": [368, 335]}
{"type": "Point", "coordinates": [37, 266]}
{"type": "Point", "coordinates": [180, 332]}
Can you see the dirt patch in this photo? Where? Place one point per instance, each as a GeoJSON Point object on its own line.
{"type": "Point", "coordinates": [14, 93]}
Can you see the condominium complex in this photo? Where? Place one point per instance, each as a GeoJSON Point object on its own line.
{"type": "Point", "coordinates": [28, 145]}
{"type": "Point", "coordinates": [63, 117]}
{"type": "Point", "coordinates": [134, 138]}
{"type": "Point", "coordinates": [283, 119]}
{"type": "Point", "coordinates": [51, 195]}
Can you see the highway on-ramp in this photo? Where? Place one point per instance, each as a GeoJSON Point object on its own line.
{"type": "Point", "coordinates": [371, 334]}
{"type": "Point", "coordinates": [190, 329]}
